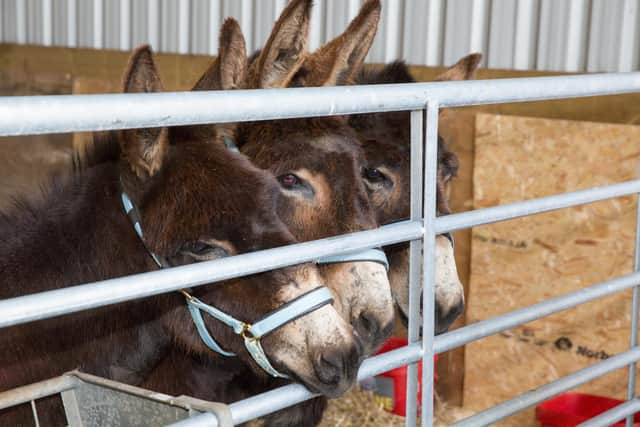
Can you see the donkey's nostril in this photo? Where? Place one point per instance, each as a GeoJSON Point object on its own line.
{"type": "Point", "coordinates": [329, 367]}
{"type": "Point", "coordinates": [367, 325]}
{"type": "Point", "coordinates": [445, 317]}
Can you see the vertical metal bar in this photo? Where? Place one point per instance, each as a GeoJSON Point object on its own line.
{"type": "Point", "coordinates": [21, 22]}
{"type": "Point", "coordinates": [72, 23]}
{"type": "Point", "coordinates": [316, 29]}
{"type": "Point", "coordinates": [125, 24]}
{"type": "Point", "coordinates": [631, 384]}
{"type": "Point", "coordinates": [415, 257]}
{"type": "Point", "coordinates": [35, 413]}
{"type": "Point", "coordinates": [97, 24]}
{"type": "Point", "coordinates": [393, 36]}
{"type": "Point", "coordinates": [153, 25]}
{"type": "Point", "coordinates": [214, 25]}
{"type": "Point", "coordinates": [628, 52]}
{"type": "Point", "coordinates": [246, 22]}
{"type": "Point", "coordinates": [525, 39]}
{"type": "Point", "coordinates": [574, 55]}
{"type": "Point", "coordinates": [183, 26]}
{"type": "Point", "coordinates": [47, 23]}
{"type": "Point", "coordinates": [435, 29]}
{"type": "Point", "coordinates": [428, 260]}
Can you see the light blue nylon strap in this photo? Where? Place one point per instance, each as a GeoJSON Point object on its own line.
{"type": "Point", "coordinates": [230, 321]}
{"type": "Point", "coordinates": [204, 333]}
{"type": "Point", "coordinates": [372, 255]}
{"type": "Point", "coordinates": [257, 353]}
{"type": "Point", "coordinates": [294, 309]}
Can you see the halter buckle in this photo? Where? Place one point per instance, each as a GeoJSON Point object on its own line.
{"type": "Point", "coordinates": [246, 333]}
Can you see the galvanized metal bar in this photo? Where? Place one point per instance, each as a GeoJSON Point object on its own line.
{"type": "Point", "coordinates": [24, 394]}
{"type": "Point", "coordinates": [83, 297]}
{"type": "Point", "coordinates": [153, 23]}
{"type": "Point", "coordinates": [428, 260]}
{"type": "Point", "coordinates": [633, 336]}
{"type": "Point", "coordinates": [21, 22]}
{"type": "Point", "coordinates": [415, 264]}
{"type": "Point", "coordinates": [526, 400]}
{"type": "Point", "coordinates": [125, 24]}
{"type": "Point", "coordinates": [98, 35]}
{"type": "Point", "coordinates": [274, 400]}
{"type": "Point", "coordinates": [24, 115]}
{"type": "Point", "coordinates": [534, 206]}
{"type": "Point", "coordinates": [183, 26]}
{"type": "Point", "coordinates": [548, 307]}
{"type": "Point", "coordinates": [47, 23]}
{"type": "Point", "coordinates": [72, 23]}
{"type": "Point", "coordinates": [34, 411]}
{"type": "Point", "coordinates": [613, 415]}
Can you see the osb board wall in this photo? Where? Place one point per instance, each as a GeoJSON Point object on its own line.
{"type": "Point", "coordinates": [521, 262]}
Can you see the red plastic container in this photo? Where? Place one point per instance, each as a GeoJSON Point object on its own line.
{"type": "Point", "coordinates": [571, 409]}
{"type": "Point", "coordinates": [391, 386]}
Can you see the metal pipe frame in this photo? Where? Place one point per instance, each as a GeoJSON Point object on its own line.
{"type": "Point", "coordinates": [50, 114]}
{"type": "Point", "coordinates": [633, 336]}
{"type": "Point", "coordinates": [74, 113]}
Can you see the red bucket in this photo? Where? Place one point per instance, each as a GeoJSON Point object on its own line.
{"type": "Point", "coordinates": [571, 409]}
{"type": "Point", "coordinates": [391, 386]}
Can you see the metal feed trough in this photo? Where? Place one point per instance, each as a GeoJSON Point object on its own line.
{"type": "Point", "coordinates": [51, 114]}
{"type": "Point", "coordinates": [91, 401]}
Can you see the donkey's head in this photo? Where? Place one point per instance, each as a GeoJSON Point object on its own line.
{"type": "Point", "coordinates": [385, 139]}
{"type": "Point", "coordinates": [318, 161]}
{"type": "Point", "coordinates": [198, 201]}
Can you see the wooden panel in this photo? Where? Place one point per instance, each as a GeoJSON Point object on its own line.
{"type": "Point", "coordinates": [521, 262]}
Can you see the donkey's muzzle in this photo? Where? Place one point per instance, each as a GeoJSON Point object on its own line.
{"type": "Point", "coordinates": [336, 369]}
{"type": "Point", "coordinates": [445, 316]}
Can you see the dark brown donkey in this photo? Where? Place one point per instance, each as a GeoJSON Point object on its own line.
{"type": "Point", "coordinates": [386, 141]}
{"type": "Point", "coordinates": [318, 163]}
{"type": "Point", "coordinates": [197, 201]}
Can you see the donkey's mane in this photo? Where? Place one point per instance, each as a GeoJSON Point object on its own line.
{"type": "Point", "coordinates": [24, 211]}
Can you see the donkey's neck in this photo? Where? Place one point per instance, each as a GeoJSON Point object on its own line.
{"type": "Point", "coordinates": [79, 234]}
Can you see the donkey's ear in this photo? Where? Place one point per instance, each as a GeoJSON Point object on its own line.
{"type": "Point", "coordinates": [464, 69]}
{"type": "Point", "coordinates": [143, 149]}
{"type": "Point", "coordinates": [229, 68]}
{"type": "Point", "coordinates": [284, 51]}
{"type": "Point", "coordinates": [340, 61]}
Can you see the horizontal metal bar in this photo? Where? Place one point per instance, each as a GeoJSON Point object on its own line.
{"type": "Point", "coordinates": [274, 400]}
{"type": "Point", "coordinates": [36, 391]}
{"type": "Point", "coordinates": [484, 328]}
{"type": "Point", "coordinates": [612, 415]}
{"type": "Point", "coordinates": [68, 300]}
{"type": "Point", "coordinates": [25, 115]}
{"type": "Point", "coordinates": [534, 206]}
{"type": "Point", "coordinates": [526, 400]}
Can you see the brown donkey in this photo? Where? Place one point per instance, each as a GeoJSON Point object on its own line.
{"type": "Point", "coordinates": [385, 138]}
{"type": "Point", "coordinates": [318, 161]}
{"type": "Point", "coordinates": [196, 202]}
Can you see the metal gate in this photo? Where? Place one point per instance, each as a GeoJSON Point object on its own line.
{"type": "Point", "coordinates": [71, 113]}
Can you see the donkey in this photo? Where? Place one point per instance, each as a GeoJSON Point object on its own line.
{"type": "Point", "coordinates": [318, 163]}
{"type": "Point", "coordinates": [386, 142]}
{"type": "Point", "coordinates": [196, 202]}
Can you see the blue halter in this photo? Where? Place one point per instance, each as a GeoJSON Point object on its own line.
{"type": "Point", "coordinates": [251, 333]}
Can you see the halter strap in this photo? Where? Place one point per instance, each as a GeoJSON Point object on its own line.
{"type": "Point", "coordinates": [372, 255]}
{"type": "Point", "coordinates": [252, 333]}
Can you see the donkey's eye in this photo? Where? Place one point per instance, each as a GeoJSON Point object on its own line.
{"type": "Point", "coordinates": [289, 180]}
{"type": "Point", "coordinates": [373, 175]}
{"type": "Point", "coordinates": [198, 248]}
{"type": "Point", "coordinates": [203, 251]}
